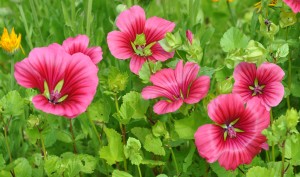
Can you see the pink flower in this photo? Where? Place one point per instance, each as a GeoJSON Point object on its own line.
{"type": "Point", "coordinates": [66, 84]}
{"type": "Point", "coordinates": [138, 38]}
{"type": "Point", "coordinates": [79, 44]}
{"type": "Point", "coordinates": [189, 36]}
{"type": "Point", "coordinates": [294, 5]}
{"type": "Point", "coordinates": [263, 83]}
{"type": "Point", "coordinates": [236, 137]}
{"type": "Point", "coordinates": [178, 86]}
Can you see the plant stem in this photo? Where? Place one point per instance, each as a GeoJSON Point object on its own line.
{"type": "Point", "coordinates": [7, 144]}
{"type": "Point", "coordinates": [123, 130]}
{"type": "Point", "coordinates": [282, 159]}
{"type": "Point", "coordinates": [140, 173]}
{"type": "Point", "coordinates": [289, 82]}
{"type": "Point", "coordinates": [95, 129]}
{"type": "Point", "coordinates": [179, 54]}
{"type": "Point", "coordinates": [150, 69]}
{"type": "Point", "coordinates": [12, 64]}
{"type": "Point", "coordinates": [175, 161]}
{"type": "Point", "coordinates": [88, 17]}
{"type": "Point", "coordinates": [273, 148]}
{"type": "Point", "coordinates": [28, 33]}
{"type": "Point", "coordinates": [231, 13]}
{"type": "Point", "coordinates": [289, 71]}
{"type": "Point", "coordinates": [43, 144]}
{"type": "Point", "coordinates": [73, 137]}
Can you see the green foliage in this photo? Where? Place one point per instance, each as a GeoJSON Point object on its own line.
{"type": "Point", "coordinates": [113, 152]}
{"type": "Point", "coordinates": [132, 151]}
{"type": "Point", "coordinates": [221, 172]}
{"type": "Point", "coordinates": [99, 111]}
{"type": "Point", "coordinates": [70, 165]}
{"type": "Point", "coordinates": [117, 81]}
{"type": "Point", "coordinates": [233, 39]}
{"type": "Point", "coordinates": [118, 173]}
{"type": "Point", "coordinates": [148, 69]}
{"type": "Point", "coordinates": [153, 144]}
{"type": "Point", "coordinates": [139, 105]}
{"type": "Point", "coordinates": [12, 105]}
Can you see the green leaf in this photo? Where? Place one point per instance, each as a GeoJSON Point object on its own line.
{"type": "Point", "coordinates": [154, 145]}
{"type": "Point", "coordinates": [118, 173]}
{"type": "Point", "coordinates": [64, 136]}
{"type": "Point", "coordinates": [255, 52]}
{"type": "Point", "coordinates": [153, 163]}
{"type": "Point", "coordinates": [126, 113]}
{"type": "Point", "coordinates": [159, 129]}
{"type": "Point", "coordinates": [207, 35]}
{"type": "Point", "coordinates": [186, 128]}
{"type": "Point", "coordinates": [259, 171]}
{"type": "Point", "coordinates": [292, 150]}
{"type": "Point", "coordinates": [99, 111]}
{"type": "Point", "coordinates": [52, 165]}
{"type": "Point", "coordinates": [113, 152]}
{"type": "Point", "coordinates": [135, 100]}
{"type": "Point", "coordinates": [2, 162]}
{"type": "Point", "coordinates": [282, 52]}
{"type": "Point", "coordinates": [141, 133]}
{"type": "Point", "coordinates": [22, 168]}
{"type": "Point", "coordinates": [233, 39]}
{"type": "Point", "coordinates": [287, 19]}
{"type": "Point", "coordinates": [221, 172]}
{"type": "Point", "coordinates": [132, 151]}
{"type": "Point", "coordinates": [188, 159]}
{"type": "Point", "coordinates": [145, 72]}
{"type": "Point", "coordinates": [88, 163]}
{"type": "Point", "coordinates": [12, 104]}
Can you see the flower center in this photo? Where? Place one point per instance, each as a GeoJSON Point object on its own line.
{"type": "Point", "coordinates": [230, 131]}
{"type": "Point", "coordinates": [256, 88]}
{"type": "Point", "coordinates": [54, 96]}
{"type": "Point", "coordinates": [140, 46]}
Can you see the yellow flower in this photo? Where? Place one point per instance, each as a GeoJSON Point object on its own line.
{"type": "Point", "coordinates": [258, 5]}
{"type": "Point", "coordinates": [10, 42]}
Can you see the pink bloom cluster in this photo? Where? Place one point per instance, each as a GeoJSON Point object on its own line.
{"type": "Point", "coordinates": [138, 38]}
{"type": "Point", "coordinates": [236, 135]}
{"type": "Point", "coordinates": [177, 86]}
{"type": "Point", "coordinates": [66, 76]}
{"type": "Point", "coordinates": [293, 4]}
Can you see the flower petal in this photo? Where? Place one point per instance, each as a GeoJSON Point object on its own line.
{"type": "Point", "coordinates": [186, 75]}
{"type": "Point", "coordinates": [255, 117]}
{"type": "Point", "coordinates": [80, 84]}
{"type": "Point", "coordinates": [43, 64]}
{"type": "Point", "coordinates": [269, 72]}
{"type": "Point", "coordinates": [209, 140]}
{"type": "Point", "coordinates": [240, 150]}
{"type": "Point", "coordinates": [119, 45]}
{"type": "Point", "coordinates": [132, 21]}
{"type": "Point", "coordinates": [95, 53]}
{"type": "Point", "coordinates": [294, 5]}
{"type": "Point", "coordinates": [156, 29]}
{"type": "Point", "coordinates": [158, 53]}
{"type": "Point", "coordinates": [225, 108]}
{"type": "Point", "coordinates": [198, 90]}
{"type": "Point", "coordinates": [136, 64]}
{"type": "Point", "coordinates": [245, 73]}
{"type": "Point", "coordinates": [273, 94]}
{"type": "Point", "coordinates": [163, 106]}
{"type": "Point", "coordinates": [165, 78]}
{"type": "Point", "coordinates": [77, 44]}
{"type": "Point", "coordinates": [151, 92]}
